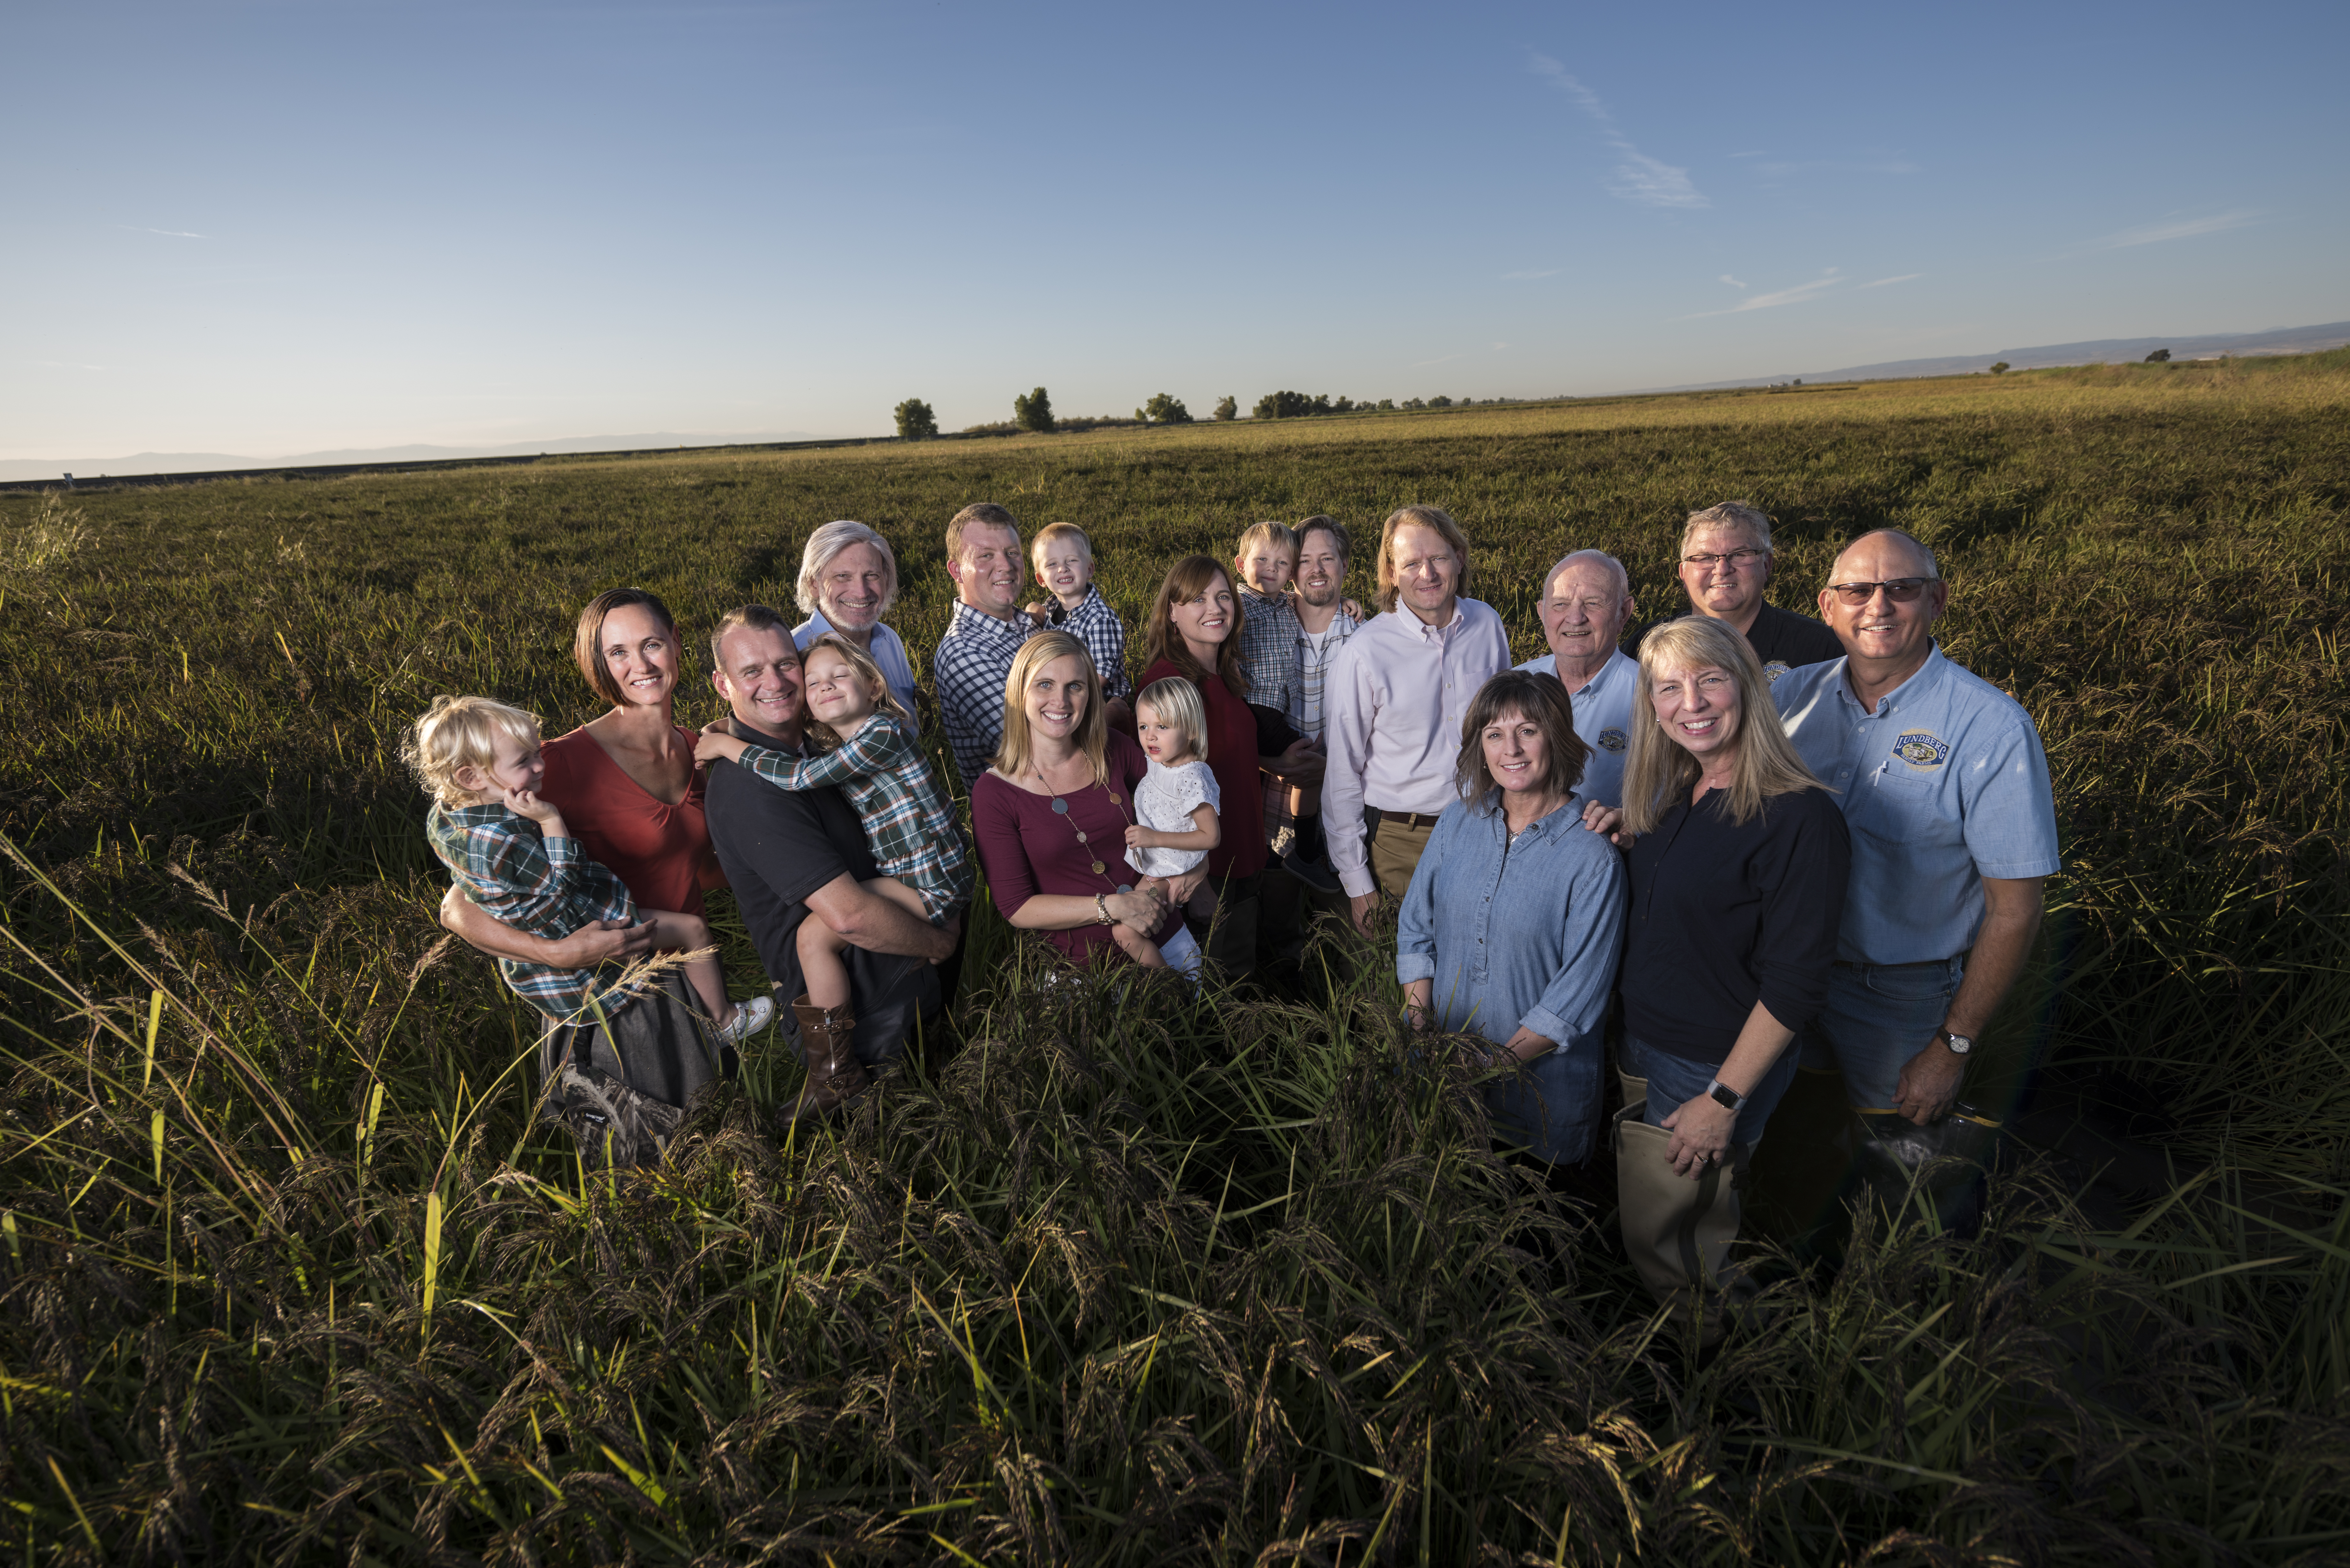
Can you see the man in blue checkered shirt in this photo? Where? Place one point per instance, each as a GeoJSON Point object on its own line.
{"type": "Point", "coordinates": [974, 659]}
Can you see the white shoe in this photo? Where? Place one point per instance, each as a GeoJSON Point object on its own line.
{"type": "Point", "coordinates": [750, 1017]}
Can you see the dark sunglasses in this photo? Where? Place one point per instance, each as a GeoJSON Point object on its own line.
{"type": "Point", "coordinates": [1900, 590]}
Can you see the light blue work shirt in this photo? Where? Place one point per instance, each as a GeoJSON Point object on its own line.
{"type": "Point", "coordinates": [1526, 933]}
{"type": "Point", "coordinates": [888, 648]}
{"type": "Point", "coordinates": [1603, 720]}
{"type": "Point", "coordinates": [1942, 784]}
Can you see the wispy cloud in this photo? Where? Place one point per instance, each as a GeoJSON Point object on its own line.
{"type": "Point", "coordinates": [1786, 169]}
{"type": "Point", "coordinates": [1440, 360]}
{"type": "Point", "coordinates": [1639, 178]}
{"type": "Point", "coordinates": [1904, 278]}
{"type": "Point", "coordinates": [169, 234]}
{"type": "Point", "coordinates": [1732, 281]}
{"type": "Point", "coordinates": [2173, 229]}
{"type": "Point", "coordinates": [1756, 154]}
{"type": "Point", "coordinates": [1795, 295]}
{"type": "Point", "coordinates": [1539, 272]}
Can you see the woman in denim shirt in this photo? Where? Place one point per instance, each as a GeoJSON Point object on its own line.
{"type": "Point", "coordinates": [1511, 928]}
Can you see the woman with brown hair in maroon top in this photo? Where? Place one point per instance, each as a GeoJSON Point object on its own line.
{"type": "Point", "coordinates": [626, 779]}
{"type": "Point", "coordinates": [629, 792]}
{"type": "Point", "coordinates": [1193, 634]}
{"type": "Point", "coordinates": [1051, 813]}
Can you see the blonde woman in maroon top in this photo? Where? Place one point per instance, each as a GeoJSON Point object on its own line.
{"type": "Point", "coordinates": [1050, 813]}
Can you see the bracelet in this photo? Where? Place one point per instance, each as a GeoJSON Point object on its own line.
{"type": "Point", "coordinates": [1101, 906]}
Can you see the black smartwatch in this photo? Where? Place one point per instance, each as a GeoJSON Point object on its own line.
{"type": "Point", "coordinates": [1722, 1095]}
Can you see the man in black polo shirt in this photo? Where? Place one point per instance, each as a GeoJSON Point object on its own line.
{"type": "Point", "coordinates": [1725, 562]}
{"type": "Point", "coordinates": [790, 855]}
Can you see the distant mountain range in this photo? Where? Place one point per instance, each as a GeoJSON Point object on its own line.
{"type": "Point", "coordinates": [2103, 351]}
{"type": "Point", "coordinates": [208, 461]}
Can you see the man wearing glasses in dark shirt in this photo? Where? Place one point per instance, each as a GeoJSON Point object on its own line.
{"type": "Point", "coordinates": [1725, 562]}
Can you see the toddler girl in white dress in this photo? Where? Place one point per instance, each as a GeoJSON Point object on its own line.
{"type": "Point", "coordinates": [1175, 805]}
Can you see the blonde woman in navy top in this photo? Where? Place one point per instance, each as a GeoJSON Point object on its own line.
{"type": "Point", "coordinates": [1738, 860]}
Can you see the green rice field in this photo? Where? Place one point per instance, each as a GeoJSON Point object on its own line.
{"type": "Point", "coordinates": [288, 1274]}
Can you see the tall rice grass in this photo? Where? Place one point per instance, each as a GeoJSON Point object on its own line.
{"type": "Point", "coordinates": [290, 1273]}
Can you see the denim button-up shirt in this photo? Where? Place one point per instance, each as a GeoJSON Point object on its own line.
{"type": "Point", "coordinates": [1514, 934]}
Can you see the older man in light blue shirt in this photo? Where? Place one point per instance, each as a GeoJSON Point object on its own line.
{"type": "Point", "coordinates": [1586, 601]}
{"type": "Point", "coordinates": [848, 579]}
{"type": "Point", "coordinates": [1944, 785]}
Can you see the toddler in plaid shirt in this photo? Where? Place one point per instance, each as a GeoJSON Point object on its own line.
{"type": "Point", "coordinates": [507, 846]}
{"type": "Point", "coordinates": [877, 767]}
{"type": "Point", "coordinates": [1064, 558]}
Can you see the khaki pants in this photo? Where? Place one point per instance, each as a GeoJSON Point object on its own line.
{"type": "Point", "coordinates": [1395, 852]}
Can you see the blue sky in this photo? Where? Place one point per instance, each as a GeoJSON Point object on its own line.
{"type": "Point", "coordinates": [267, 228]}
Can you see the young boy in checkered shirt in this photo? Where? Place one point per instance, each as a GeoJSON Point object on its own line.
{"type": "Point", "coordinates": [879, 767]}
{"type": "Point", "coordinates": [508, 847]}
{"type": "Point", "coordinates": [1063, 559]}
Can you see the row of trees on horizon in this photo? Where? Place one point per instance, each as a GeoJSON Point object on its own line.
{"type": "Point", "coordinates": [1032, 411]}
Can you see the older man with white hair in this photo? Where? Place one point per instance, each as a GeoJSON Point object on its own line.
{"type": "Point", "coordinates": [1586, 601]}
{"type": "Point", "coordinates": [1941, 777]}
{"type": "Point", "coordinates": [848, 580]}
{"type": "Point", "coordinates": [1726, 558]}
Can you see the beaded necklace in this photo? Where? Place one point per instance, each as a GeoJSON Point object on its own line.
{"type": "Point", "coordinates": [1061, 810]}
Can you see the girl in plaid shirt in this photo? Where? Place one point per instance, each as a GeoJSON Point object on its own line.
{"type": "Point", "coordinates": [876, 764]}
{"type": "Point", "coordinates": [507, 846]}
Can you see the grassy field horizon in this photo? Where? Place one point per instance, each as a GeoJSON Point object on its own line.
{"type": "Point", "coordinates": [289, 1275]}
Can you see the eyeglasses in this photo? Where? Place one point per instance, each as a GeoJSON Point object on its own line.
{"type": "Point", "coordinates": [1900, 590]}
{"type": "Point", "coordinates": [1744, 555]}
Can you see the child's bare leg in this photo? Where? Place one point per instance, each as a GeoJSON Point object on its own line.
{"type": "Point", "coordinates": [822, 968]}
{"type": "Point", "coordinates": [898, 893]}
{"type": "Point", "coordinates": [1138, 947]}
{"type": "Point", "coordinates": [677, 932]}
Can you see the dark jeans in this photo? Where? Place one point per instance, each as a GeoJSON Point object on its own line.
{"type": "Point", "coordinates": [1553, 1106]}
{"type": "Point", "coordinates": [1227, 933]}
{"type": "Point", "coordinates": [1674, 1081]}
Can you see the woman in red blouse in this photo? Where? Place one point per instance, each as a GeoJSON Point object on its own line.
{"type": "Point", "coordinates": [1194, 633]}
{"type": "Point", "coordinates": [1051, 813]}
{"type": "Point", "coordinates": [624, 781]}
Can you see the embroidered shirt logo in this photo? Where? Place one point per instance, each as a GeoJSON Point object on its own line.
{"type": "Point", "coordinates": [1922, 749]}
{"type": "Point", "coordinates": [1612, 740]}
{"type": "Point", "coordinates": [1775, 669]}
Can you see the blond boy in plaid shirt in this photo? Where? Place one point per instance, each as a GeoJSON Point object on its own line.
{"type": "Point", "coordinates": [508, 847]}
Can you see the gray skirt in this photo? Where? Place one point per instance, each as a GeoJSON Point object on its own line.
{"type": "Point", "coordinates": [621, 1083]}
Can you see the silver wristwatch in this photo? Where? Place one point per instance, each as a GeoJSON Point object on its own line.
{"type": "Point", "coordinates": [1959, 1045]}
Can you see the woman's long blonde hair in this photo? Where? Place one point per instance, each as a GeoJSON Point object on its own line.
{"type": "Point", "coordinates": [1017, 752]}
{"type": "Point", "coordinates": [1660, 772]}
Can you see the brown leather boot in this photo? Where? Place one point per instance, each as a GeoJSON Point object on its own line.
{"type": "Point", "coordinates": [834, 1076]}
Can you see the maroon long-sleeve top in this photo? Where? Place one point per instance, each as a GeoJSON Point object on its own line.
{"type": "Point", "coordinates": [1029, 848]}
{"type": "Point", "coordinates": [1232, 758]}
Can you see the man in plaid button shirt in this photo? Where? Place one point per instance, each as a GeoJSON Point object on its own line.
{"type": "Point", "coordinates": [974, 659]}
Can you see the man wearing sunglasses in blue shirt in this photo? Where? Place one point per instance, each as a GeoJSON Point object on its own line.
{"type": "Point", "coordinates": [1945, 787]}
